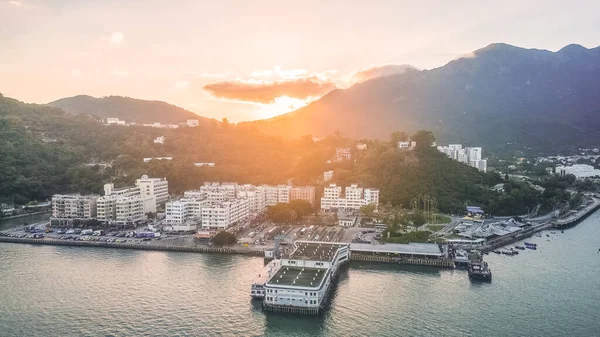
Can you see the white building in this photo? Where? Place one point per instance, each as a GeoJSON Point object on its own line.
{"type": "Point", "coordinates": [222, 215]}
{"type": "Point", "coordinates": [215, 191]}
{"type": "Point", "coordinates": [304, 278]}
{"type": "Point", "coordinates": [256, 197]}
{"type": "Point", "coordinates": [328, 175]}
{"type": "Point", "coordinates": [158, 187]}
{"type": "Point", "coordinates": [124, 206]}
{"type": "Point", "coordinates": [354, 197]}
{"type": "Point", "coordinates": [192, 123]}
{"type": "Point", "coordinates": [276, 194]}
{"type": "Point", "coordinates": [74, 206]}
{"type": "Point", "coordinates": [471, 156]}
{"type": "Point", "coordinates": [157, 158]}
{"type": "Point", "coordinates": [111, 120]}
{"type": "Point", "coordinates": [204, 164]}
{"type": "Point", "coordinates": [580, 171]}
{"type": "Point", "coordinates": [361, 146]}
{"type": "Point", "coordinates": [303, 193]}
{"type": "Point", "coordinates": [185, 214]}
{"type": "Point", "coordinates": [407, 145]}
{"type": "Point", "coordinates": [159, 140]}
{"type": "Point", "coordinates": [341, 154]}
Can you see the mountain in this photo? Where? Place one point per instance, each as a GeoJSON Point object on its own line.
{"type": "Point", "coordinates": [128, 109]}
{"type": "Point", "coordinates": [499, 96]}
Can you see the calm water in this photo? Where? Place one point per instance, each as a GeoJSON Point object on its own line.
{"type": "Point", "coordinates": [64, 291]}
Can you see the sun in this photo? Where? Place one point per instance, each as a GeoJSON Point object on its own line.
{"type": "Point", "coordinates": [282, 104]}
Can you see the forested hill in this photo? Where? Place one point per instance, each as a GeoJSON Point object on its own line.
{"type": "Point", "coordinates": [499, 96]}
{"type": "Point", "coordinates": [128, 109]}
{"type": "Point", "coordinates": [44, 150]}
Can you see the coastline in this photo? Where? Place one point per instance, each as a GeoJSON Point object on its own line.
{"type": "Point", "coordinates": [24, 215]}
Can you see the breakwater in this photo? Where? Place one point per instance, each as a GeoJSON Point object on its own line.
{"type": "Point", "coordinates": [167, 248]}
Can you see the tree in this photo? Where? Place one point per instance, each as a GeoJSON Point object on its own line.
{"type": "Point", "coordinates": [301, 207]}
{"type": "Point", "coordinates": [368, 210]}
{"type": "Point", "coordinates": [423, 138]}
{"type": "Point", "coordinates": [398, 136]}
{"type": "Point", "coordinates": [224, 238]}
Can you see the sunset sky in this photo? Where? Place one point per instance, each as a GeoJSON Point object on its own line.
{"type": "Point", "coordinates": [248, 60]}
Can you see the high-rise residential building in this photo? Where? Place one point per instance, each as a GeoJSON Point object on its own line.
{"type": "Point", "coordinates": [185, 214]}
{"type": "Point", "coordinates": [354, 197]}
{"type": "Point", "coordinates": [255, 195]}
{"type": "Point", "coordinates": [74, 206]}
{"type": "Point", "coordinates": [327, 175]}
{"type": "Point", "coordinates": [158, 187]}
{"type": "Point", "coordinates": [303, 193]}
{"type": "Point", "coordinates": [471, 156]}
{"type": "Point", "coordinates": [341, 154]}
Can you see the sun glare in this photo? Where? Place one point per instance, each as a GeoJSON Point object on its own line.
{"type": "Point", "coordinates": [282, 104]}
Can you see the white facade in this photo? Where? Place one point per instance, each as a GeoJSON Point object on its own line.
{"type": "Point", "coordinates": [327, 175]}
{"type": "Point", "coordinates": [361, 146]}
{"type": "Point", "coordinates": [341, 154]}
{"type": "Point", "coordinates": [124, 205]}
{"type": "Point", "coordinates": [306, 193]}
{"type": "Point", "coordinates": [215, 191]}
{"type": "Point", "coordinates": [276, 194]}
{"type": "Point", "coordinates": [111, 120]}
{"type": "Point", "coordinates": [354, 198]}
{"type": "Point", "coordinates": [192, 123]}
{"type": "Point", "coordinates": [184, 211]}
{"type": "Point", "coordinates": [578, 170]}
{"type": "Point", "coordinates": [157, 158]}
{"type": "Point", "coordinates": [204, 164]}
{"type": "Point", "coordinates": [159, 140]}
{"type": "Point", "coordinates": [74, 206]}
{"type": "Point", "coordinates": [158, 187]}
{"type": "Point", "coordinates": [222, 215]}
{"type": "Point", "coordinates": [471, 156]}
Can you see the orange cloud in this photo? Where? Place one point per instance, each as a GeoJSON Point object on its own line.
{"type": "Point", "coordinates": [267, 91]}
{"type": "Point", "coordinates": [378, 71]}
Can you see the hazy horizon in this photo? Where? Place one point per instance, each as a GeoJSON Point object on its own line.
{"type": "Point", "coordinates": [246, 61]}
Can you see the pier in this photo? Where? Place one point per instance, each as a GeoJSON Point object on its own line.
{"type": "Point", "coordinates": [565, 222]}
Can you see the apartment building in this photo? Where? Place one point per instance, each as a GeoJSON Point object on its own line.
{"type": "Point", "coordinates": [124, 206]}
{"type": "Point", "coordinates": [471, 156]}
{"type": "Point", "coordinates": [303, 193]}
{"type": "Point", "coordinates": [327, 175]}
{"type": "Point", "coordinates": [222, 215]}
{"type": "Point", "coordinates": [74, 206]}
{"type": "Point", "coordinates": [158, 187]}
{"type": "Point", "coordinates": [354, 197]}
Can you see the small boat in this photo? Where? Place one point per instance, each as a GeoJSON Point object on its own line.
{"type": "Point", "coordinates": [538, 235]}
{"type": "Point", "coordinates": [562, 231]}
{"type": "Point", "coordinates": [529, 244]}
{"type": "Point", "coordinates": [497, 252]}
{"type": "Point", "coordinates": [531, 247]}
{"type": "Point", "coordinates": [520, 247]}
{"type": "Point", "coordinates": [552, 232]}
{"type": "Point", "coordinates": [508, 252]}
{"type": "Point", "coordinates": [547, 235]}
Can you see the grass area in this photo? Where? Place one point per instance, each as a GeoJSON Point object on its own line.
{"type": "Point", "coordinates": [438, 219]}
{"type": "Point", "coordinates": [435, 228]}
{"type": "Point", "coordinates": [420, 236]}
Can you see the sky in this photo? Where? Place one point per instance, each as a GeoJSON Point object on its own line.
{"type": "Point", "coordinates": [246, 60]}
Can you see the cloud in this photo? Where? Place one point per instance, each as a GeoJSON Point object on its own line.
{"type": "Point", "coordinates": [116, 39]}
{"type": "Point", "coordinates": [263, 91]}
{"type": "Point", "coordinates": [181, 84]}
{"type": "Point", "coordinates": [16, 3]}
{"type": "Point", "coordinates": [379, 71]}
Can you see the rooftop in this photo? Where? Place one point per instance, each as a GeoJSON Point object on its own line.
{"type": "Point", "coordinates": [298, 276]}
{"type": "Point", "coordinates": [431, 249]}
{"type": "Point", "coordinates": [315, 251]}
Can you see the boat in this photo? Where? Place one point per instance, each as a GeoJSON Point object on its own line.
{"type": "Point", "coordinates": [520, 247]}
{"type": "Point", "coordinates": [497, 252]}
{"type": "Point", "coordinates": [538, 235]}
{"type": "Point", "coordinates": [258, 286]}
{"type": "Point", "coordinates": [479, 271]}
{"type": "Point", "coordinates": [547, 235]}
{"type": "Point", "coordinates": [552, 232]}
{"type": "Point", "coordinates": [529, 244]}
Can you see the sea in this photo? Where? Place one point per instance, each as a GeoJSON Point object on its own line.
{"type": "Point", "coordinates": [76, 291]}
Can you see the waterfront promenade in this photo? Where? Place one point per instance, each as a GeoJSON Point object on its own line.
{"type": "Point", "coordinates": [570, 220]}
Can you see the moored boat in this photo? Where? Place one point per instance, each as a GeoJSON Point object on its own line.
{"type": "Point", "coordinates": [479, 271]}
{"type": "Point", "coordinates": [520, 247]}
